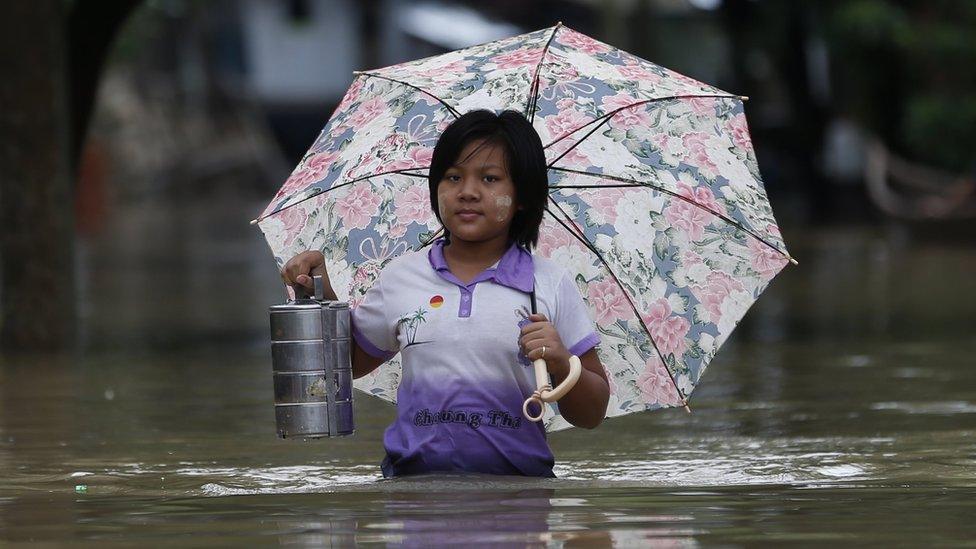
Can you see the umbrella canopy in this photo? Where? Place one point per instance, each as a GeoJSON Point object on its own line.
{"type": "Point", "coordinates": [656, 204]}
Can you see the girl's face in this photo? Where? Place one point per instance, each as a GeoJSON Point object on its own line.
{"type": "Point", "coordinates": [476, 196]}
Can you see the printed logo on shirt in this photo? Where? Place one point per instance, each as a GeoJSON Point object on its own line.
{"type": "Point", "coordinates": [492, 418]}
{"type": "Point", "coordinates": [411, 324]}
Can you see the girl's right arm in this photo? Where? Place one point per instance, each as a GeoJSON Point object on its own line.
{"type": "Point", "coordinates": [298, 271]}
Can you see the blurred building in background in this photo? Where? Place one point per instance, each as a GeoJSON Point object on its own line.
{"type": "Point", "coordinates": [861, 112]}
{"type": "Point", "coordinates": [247, 86]}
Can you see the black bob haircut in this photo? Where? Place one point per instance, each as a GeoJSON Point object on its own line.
{"type": "Point", "coordinates": [524, 156]}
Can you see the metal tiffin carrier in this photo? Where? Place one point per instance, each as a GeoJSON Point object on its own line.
{"type": "Point", "coordinates": [312, 366]}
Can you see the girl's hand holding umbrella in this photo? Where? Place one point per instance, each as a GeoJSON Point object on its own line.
{"type": "Point", "coordinates": [541, 340]}
{"type": "Point", "coordinates": [587, 405]}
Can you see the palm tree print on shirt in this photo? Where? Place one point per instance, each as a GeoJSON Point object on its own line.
{"type": "Point", "coordinates": [411, 323]}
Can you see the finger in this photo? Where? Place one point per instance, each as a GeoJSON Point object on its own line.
{"type": "Point", "coordinates": [538, 317]}
{"type": "Point", "coordinates": [535, 341]}
{"type": "Point", "coordinates": [304, 280]}
{"type": "Point", "coordinates": [286, 275]}
{"type": "Point", "coordinates": [292, 270]}
{"type": "Point", "coordinates": [534, 327]}
{"type": "Point", "coordinates": [537, 353]}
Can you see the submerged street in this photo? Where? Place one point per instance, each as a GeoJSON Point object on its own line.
{"type": "Point", "coordinates": [842, 408]}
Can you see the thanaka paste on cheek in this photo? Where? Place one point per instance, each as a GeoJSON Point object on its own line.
{"type": "Point", "coordinates": [504, 205]}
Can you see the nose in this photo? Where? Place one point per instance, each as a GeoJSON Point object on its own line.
{"type": "Point", "coordinates": [468, 190]}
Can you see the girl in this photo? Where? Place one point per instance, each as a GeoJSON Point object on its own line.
{"type": "Point", "coordinates": [458, 313]}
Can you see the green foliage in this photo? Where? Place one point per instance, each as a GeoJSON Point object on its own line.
{"type": "Point", "coordinates": [944, 127]}
{"type": "Point", "coordinates": [907, 71]}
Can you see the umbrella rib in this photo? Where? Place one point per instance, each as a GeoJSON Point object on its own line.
{"type": "Point", "coordinates": [603, 119]}
{"type": "Point", "coordinates": [634, 183]}
{"type": "Point", "coordinates": [401, 172]}
{"type": "Point", "coordinates": [412, 174]}
{"type": "Point", "coordinates": [421, 90]}
{"type": "Point", "coordinates": [534, 88]}
{"type": "Point", "coordinates": [578, 234]}
{"type": "Point", "coordinates": [432, 238]}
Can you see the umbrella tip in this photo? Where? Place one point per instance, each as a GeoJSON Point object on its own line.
{"type": "Point", "coordinates": [744, 97]}
{"type": "Point", "coordinates": [793, 261]}
{"type": "Point", "coordinates": [254, 222]}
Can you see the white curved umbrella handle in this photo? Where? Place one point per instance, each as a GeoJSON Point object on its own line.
{"type": "Point", "coordinates": [545, 393]}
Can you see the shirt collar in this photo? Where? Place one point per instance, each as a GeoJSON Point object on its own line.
{"type": "Point", "coordinates": [515, 268]}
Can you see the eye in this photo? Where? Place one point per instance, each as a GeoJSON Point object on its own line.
{"type": "Point", "coordinates": [454, 178]}
{"type": "Point", "coordinates": [491, 178]}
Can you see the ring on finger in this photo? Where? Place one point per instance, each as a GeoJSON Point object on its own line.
{"type": "Point", "coordinates": [543, 352]}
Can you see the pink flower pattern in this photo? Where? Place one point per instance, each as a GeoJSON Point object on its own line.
{"type": "Point", "coordinates": [413, 205]}
{"type": "Point", "coordinates": [609, 302]}
{"type": "Point", "coordinates": [418, 157]}
{"type": "Point", "coordinates": [697, 151]}
{"type": "Point", "coordinates": [294, 219]}
{"type": "Point", "coordinates": [639, 73]}
{"type": "Point", "coordinates": [397, 230]}
{"type": "Point", "coordinates": [656, 386]}
{"type": "Point", "coordinates": [765, 260]}
{"type": "Point", "coordinates": [573, 158]}
{"type": "Point", "coordinates": [718, 286]}
{"type": "Point", "coordinates": [565, 122]}
{"type": "Point", "coordinates": [312, 171]}
{"type": "Point", "coordinates": [740, 132]}
{"type": "Point", "coordinates": [421, 156]}
{"type": "Point", "coordinates": [582, 42]}
{"type": "Point", "coordinates": [628, 116]}
{"type": "Point", "coordinates": [690, 218]}
{"type": "Point", "coordinates": [604, 201]}
{"type": "Point", "coordinates": [362, 278]}
{"type": "Point", "coordinates": [701, 106]}
{"type": "Point", "coordinates": [694, 131]}
{"type": "Point", "coordinates": [358, 207]}
{"type": "Point", "coordinates": [550, 240]}
{"type": "Point", "coordinates": [519, 58]}
{"type": "Point", "coordinates": [446, 74]}
{"type": "Point", "coordinates": [668, 331]}
{"type": "Point", "coordinates": [366, 111]}
{"type": "Point", "coordinates": [352, 94]}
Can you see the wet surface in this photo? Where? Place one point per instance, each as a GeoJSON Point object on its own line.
{"type": "Point", "coordinates": [843, 410]}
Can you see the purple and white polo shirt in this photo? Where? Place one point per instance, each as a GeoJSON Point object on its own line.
{"type": "Point", "coordinates": [459, 404]}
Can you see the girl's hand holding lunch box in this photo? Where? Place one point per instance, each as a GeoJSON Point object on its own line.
{"type": "Point", "coordinates": [299, 270]}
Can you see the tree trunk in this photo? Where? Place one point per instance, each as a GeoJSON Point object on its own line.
{"type": "Point", "coordinates": [37, 310]}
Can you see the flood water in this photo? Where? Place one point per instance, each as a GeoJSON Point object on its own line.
{"type": "Point", "coordinates": [842, 411]}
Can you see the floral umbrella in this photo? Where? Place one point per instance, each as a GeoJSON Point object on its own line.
{"type": "Point", "coordinates": [656, 202]}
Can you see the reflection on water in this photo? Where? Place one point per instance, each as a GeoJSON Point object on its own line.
{"type": "Point", "coordinates": [843, 409]}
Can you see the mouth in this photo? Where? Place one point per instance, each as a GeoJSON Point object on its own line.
{"type": "Point", "coordinates": [467, 214]}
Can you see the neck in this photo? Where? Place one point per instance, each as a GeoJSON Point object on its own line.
{"type": "Point", "coordinates": [476, 253]}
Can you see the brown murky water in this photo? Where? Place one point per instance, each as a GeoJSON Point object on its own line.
{"type": "Point", "coordinates": [843, 410]}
